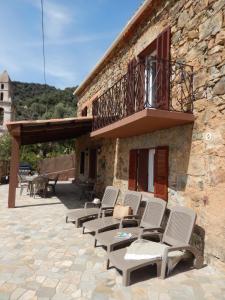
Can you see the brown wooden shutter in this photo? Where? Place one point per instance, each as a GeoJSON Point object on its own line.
{"type": "Point", "coordinates": [143, 170]}
{"type": "Point", "coordinates": [161, 167]}
{"type": "Point", "coordinates": [92, 163]}
{"type": "Point", "coordinates": [132, 182]}
{"type": "Point", "coordinates": [140, 84]}
{"type": "Point", "coordinates": [163, 42]}
{"type": "Point", "coordinates": [130, 87]}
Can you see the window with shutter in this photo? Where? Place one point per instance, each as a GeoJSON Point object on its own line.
{"type": "Point", "coordinates": [163, 68]}
{"type": "Point", "coordinates": [161, 172]}
{"type": "Point", "coordinates": [132, 181]}
{"type": "Point", "coordinates": [148, 171]}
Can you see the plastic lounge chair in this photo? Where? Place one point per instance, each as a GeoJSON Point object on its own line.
{"type": "Point", "coordinates": [150, 221]}
{"type": "Point", "coordinates": [78, 216]}
{"type": "Point", "coordinates": [175, 241]}
{"type": "Point", "coordinates": [132, 199]}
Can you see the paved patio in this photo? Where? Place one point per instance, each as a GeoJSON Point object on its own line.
{"type": "Point", "coordinates": [42, 257]}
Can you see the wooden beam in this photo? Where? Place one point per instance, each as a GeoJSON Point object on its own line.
{"type": "Point", "coordinates": [14, 129]}
{"type": "Point", "coordinates": [14, 168]}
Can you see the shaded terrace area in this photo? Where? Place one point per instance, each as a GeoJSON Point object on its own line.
{"type": "Point", "coordinates": [32, 132]}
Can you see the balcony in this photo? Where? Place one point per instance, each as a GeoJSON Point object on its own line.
{"type": "Point", "coordinates": [152, 95]}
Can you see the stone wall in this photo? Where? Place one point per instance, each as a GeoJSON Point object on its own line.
{"type": "Point", "coordinates": [63, 165]}
{"type": "Point", "coordinates": [196, 155]}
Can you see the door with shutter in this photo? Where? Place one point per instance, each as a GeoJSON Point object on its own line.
{"type": "Point", "coordinates": [143, 155]}
{"type": "Point", "coordinates": [132, 181]}
{"type": "Point", "coordinates": [93, 163]}
{"type": "Point", "coordinates": [163, 42]}
{"type": "Point", "coordinates": [161, 171]}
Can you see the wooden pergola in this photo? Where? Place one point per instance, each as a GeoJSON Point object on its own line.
{"type": "Point", "coordinates": [40, 131]}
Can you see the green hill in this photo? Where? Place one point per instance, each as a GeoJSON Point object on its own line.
{"type": "Point", "coordinates": [38, 101]}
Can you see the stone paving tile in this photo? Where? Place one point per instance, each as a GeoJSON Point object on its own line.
{"type": "Point", "coordinates": [43, 258]}
{"type": "Point", "coordinates": [17, 293]}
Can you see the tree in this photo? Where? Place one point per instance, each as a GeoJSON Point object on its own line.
{"type": "Point", "coordinates": [38, 101]}
{"type": "Point", "coordinates": [5, 147]}
{"type": "Point", "coordinates": [59, 111]}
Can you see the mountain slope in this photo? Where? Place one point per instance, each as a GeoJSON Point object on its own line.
{"type": "Point", "coordinates": [37, 101]}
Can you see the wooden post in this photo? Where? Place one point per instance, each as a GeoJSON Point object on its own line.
{"type": "Point", "coordinates": [14, 168]}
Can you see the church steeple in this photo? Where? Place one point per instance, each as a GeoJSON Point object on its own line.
{"type": "Point", "coordinates": [6, 106]}
{"type": "Point", "coordinates": [5, 87]}
{"type": "Point", "coordinates": [4, 77]}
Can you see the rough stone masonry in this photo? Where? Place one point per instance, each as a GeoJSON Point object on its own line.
{"type": "Point", "coordinates": [197, 153]}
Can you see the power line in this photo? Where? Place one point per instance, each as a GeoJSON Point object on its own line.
{"type": "Point", "coordinates": [43, 40]}
{"type": "Point", "coordinates": [43, 49]}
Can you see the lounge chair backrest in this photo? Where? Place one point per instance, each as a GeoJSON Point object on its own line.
{"type": "Point", "coordinates": [132, 199]}
{"type": "Point", "coordinates": [110, 196]}
{"type": "Point", "coordinates": [180, 226]}
{"type": "Point", "coordinates": [154, 212]}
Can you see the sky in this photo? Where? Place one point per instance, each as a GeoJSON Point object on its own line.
{"type": "Point", "coordinates": [77, 34]}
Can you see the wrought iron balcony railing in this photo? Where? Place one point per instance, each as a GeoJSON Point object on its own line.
{"type": "Point", "coordinates": [155, 83]}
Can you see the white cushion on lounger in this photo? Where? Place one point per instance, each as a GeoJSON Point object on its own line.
{"type": "Point", "coordinates": [143, 249]}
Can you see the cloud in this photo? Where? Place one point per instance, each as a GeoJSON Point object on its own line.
{"type": "Point", "coordinates": [82, 39]}
{"type": "Point", "coordinates": [57, 18]}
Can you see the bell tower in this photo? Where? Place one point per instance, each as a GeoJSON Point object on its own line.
{"type": "Point", "coordinates": [6, 105]}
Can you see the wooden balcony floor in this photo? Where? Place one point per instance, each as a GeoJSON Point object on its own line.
{"type": "Point", "coordinates": [145, 121]}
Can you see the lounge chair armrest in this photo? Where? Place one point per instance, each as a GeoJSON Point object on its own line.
{"type": "Point", "coordinates": [129, 219]}
{"type": "Point", "coordinates": [198, 262]}
{"type": "Point", "coordinates": [159, 229]}
{"type": "Point", "coordinates": [106, 210]}
{"type": "Point", "coordinates": [197, 253]}
{"type": "Point", "coordinates": [150, 233]}
{"type": "Point", "coordinates": [179, 248]}
{"type": "Point", "coordinates": [107, 207]}
{"type": "Point", "coordinates": [171, 249]}
{"type": "Point", "coordinates": [90, 204]}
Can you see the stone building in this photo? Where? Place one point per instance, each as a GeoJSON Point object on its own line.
{"type": "Point", "coordinates": [6, 105]}
{"type": "Point", "coordinates": [157, 97]}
